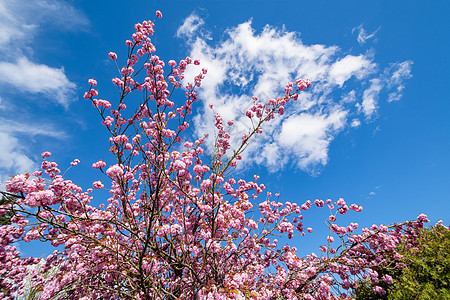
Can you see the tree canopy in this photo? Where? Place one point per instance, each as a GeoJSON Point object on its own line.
{"type": "Point", "coordinates": [421, 272]}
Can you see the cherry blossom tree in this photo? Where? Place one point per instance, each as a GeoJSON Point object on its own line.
{"type": "Point", "coordinates": [177, 223]}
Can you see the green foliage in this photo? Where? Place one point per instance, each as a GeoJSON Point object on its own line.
{"type": "Point", "coordinates": [427, 272]}
{"type": "Point", "coordinates": [365, 292]}
{"type": "Point", "coordinates": [5, 219]}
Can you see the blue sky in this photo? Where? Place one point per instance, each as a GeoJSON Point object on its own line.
{"type": "Point", "coordinates": [374, 127]}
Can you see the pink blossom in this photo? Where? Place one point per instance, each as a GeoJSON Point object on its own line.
{"type": "Point", "coordinates": [379, 290]}
{"type": "Point", "coordinates": [387, 278]}
{"type": "Point", "coordinates": [114, 171]}
{"type": "Point", "coordinates": [303, 84]}
{"type": "Point", "coordinates": [198, 169]}
{"type": "Point", "coordinates": [423, 218]}
{"type": "Point", "coordinates": [19, 183]}
{"type": "Point", "coordinates": [35, 199]}
{"type": "Point", "coordinates": [45, 154]}
{"type": "Point", "coordinates": [112, 55]}
{"type": "Point", "coordinates": [311, 271]}
{"type": "Point", "coordinates": [97, 185]}
{"type": "Point", "coordinates": [99, 164]}
{"type": "Point", "coordinates": [206, 185]}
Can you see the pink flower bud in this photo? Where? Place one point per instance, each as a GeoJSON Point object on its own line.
{"type": "Point", "coordinates": [97, 185]}
{"type": "Point", "coordinates": [46, 154]}
{"type": "Point", "coordinates": [112, 55]}
{"type": "Point", "coordinates": [99, 164]}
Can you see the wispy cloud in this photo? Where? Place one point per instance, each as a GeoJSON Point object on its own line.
{"type": "Point", "coordinates": [2, 103]}
{"type": "Point", "coordinates": [391, 80]}
{"type": "Point", "coordinates": [369, 104]}
{"type": "Point", "coordinates": [30, 129]}
{"type": "Point", "coordinates": [355, 123]}
{"type": "Point", "coordinates": [373, 193]}
{"type": "Point", "coordinates": [19, 22]}
{"type": "Point", "coordinates": [13, 159]}
{"type": "Point", "coordinates": [16, 156]}
{"type": "Point", "coordinates": [23, 74]}
{"type": "Point", "coordinates": [19, 19]}
{"type": "Point", "coordinates": [190, 25]}
{"type": "Point", "coordinates": [400, 72]}
{"type": "Point", "coordinates": [342, 70]}
{"type": "Point", "coordinates": [363, 36]}
{"type": "Point", "coordinates": [345, 87]}
{"type": "Point", "coordinates": [29, 77]}
{"type": "Point", "coordinates": [12, 155]}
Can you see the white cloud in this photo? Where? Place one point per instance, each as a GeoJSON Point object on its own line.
{"type": "Point", "coordinates": [57, 12]}
{"type": "Point", "coordinates": [400, 72]}
{"type": "Point", "coordinates": [19, 22]}
{"type": "Point", "coordinates": [190, 25]}
{"type": "Point", "coordinates": [10, 27]}
{"type": "Point", "coordinates": [260, 64]}
{"type": "Point", "coordinates": [392, 79]}
{"type": "Point", "coordinates": [30, 129]}
{"type": "Point", "coordinates": [308, 136]}
{"type": "Point", "coordinates": [370, 98]}
{"type": "Point", "coordinates": [373, 193]}
{"type": "Point", "coordinates": [376, 130]}
{"type": "Point", "coordinates": [350, 97]}
{"type": "Point", "coordinates": [15, 157]}
{"type": "Point", "coordinates": [342, 70]}
{"type": "Point", "coordinates": [34, 78]}
{"type": "Point", "coordinates": [362, 34]}
{"type": "Point", "coordinates": [2, 104]}
{"type": "Point", "coordinates": [12, 156]}
{"type": "Point", "coordinates": [355, 123]}
{"type": "Point", "coordinates": [22, 74]}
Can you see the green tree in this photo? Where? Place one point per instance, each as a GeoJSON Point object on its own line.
{"type": "Point", "coordinates": [422, 273]}
{"type": "Point", "coordinates": [5, 216]}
